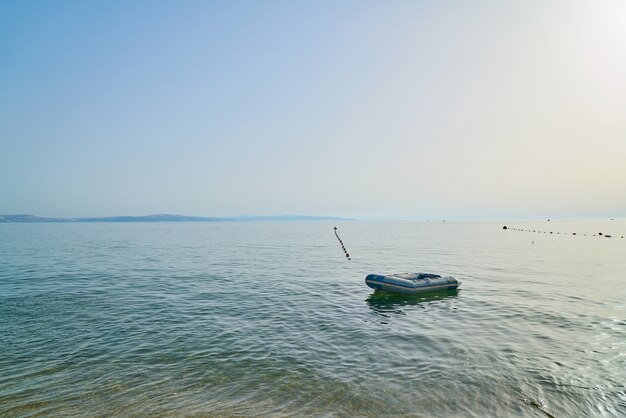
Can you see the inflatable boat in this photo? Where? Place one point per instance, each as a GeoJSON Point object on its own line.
{"type": "Point", "coordinates": [411, 283]}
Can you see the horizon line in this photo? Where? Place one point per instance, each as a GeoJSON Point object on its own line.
{"type": "Point", "coordinates": [164, 217]}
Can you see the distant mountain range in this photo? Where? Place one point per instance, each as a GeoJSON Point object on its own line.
{"type": "Point", "coordinates": [165, 218]}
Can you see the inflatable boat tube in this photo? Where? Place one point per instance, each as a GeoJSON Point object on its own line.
{"type": "Point", "coordinates": [411, 283]}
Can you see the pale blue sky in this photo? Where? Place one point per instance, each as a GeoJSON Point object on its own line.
{"type": "Point", "coordinates": [402, 109]}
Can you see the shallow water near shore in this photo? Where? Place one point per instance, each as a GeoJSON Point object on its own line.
{"type": "Point", "coordinates": [269, 318]}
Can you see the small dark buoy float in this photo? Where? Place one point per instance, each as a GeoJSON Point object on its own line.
{"type": "Point", "coordinates": [343, 247]}
{"type": "Point", "coordinates": [504, 227]}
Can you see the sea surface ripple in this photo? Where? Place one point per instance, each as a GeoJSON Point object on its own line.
{"type": "Point", "coordinates": [269, 318]}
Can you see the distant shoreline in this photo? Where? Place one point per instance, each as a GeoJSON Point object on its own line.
{"type": "Point", "coordinates": [164, 218]}
{"type": "Point", "coordinates": [5, 219]}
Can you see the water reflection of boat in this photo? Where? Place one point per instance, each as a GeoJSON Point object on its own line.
{"type": "Point", "coordinates": [387, 302]}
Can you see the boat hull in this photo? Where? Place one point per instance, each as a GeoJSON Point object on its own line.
{"type": "Point", "coordinates": [411, 283]}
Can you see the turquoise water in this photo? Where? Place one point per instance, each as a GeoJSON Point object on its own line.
{"type": "Point", "coordinates": [258, 319]}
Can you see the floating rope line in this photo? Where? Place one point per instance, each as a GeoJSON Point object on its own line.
{"type": "Point", "coordinates": [343, 247]}
{"type": "Point", "coordinates": [599, 234]}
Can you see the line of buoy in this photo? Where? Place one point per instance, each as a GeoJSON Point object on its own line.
{"type": "Point", "coordinates": [343, 247]}
{"type": "Point", "coordinates": [600, 234]}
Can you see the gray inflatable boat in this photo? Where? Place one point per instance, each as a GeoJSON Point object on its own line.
{"type": "Point", "coordinates": [411, 283]}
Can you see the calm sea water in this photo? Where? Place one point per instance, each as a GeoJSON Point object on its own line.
{"type": "Point", "coordinates": [257, 319]}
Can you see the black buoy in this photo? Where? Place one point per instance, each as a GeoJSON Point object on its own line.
{"type": "Point", "coordinates": [600, 233]}
{"type": "Point", "coordinates": [343, 247]}
{"type": "Point", "coordinates": [504, 227]}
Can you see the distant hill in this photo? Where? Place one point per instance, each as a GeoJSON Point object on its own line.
{"type": "Point", "coordinates": [165, 218]}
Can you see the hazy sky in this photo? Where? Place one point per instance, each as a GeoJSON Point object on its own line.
{"type": "Point", "coordinates": [401, 109]}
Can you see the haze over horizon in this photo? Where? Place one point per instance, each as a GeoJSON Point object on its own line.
{"type": "Point", "coordinates": [405, 110]}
